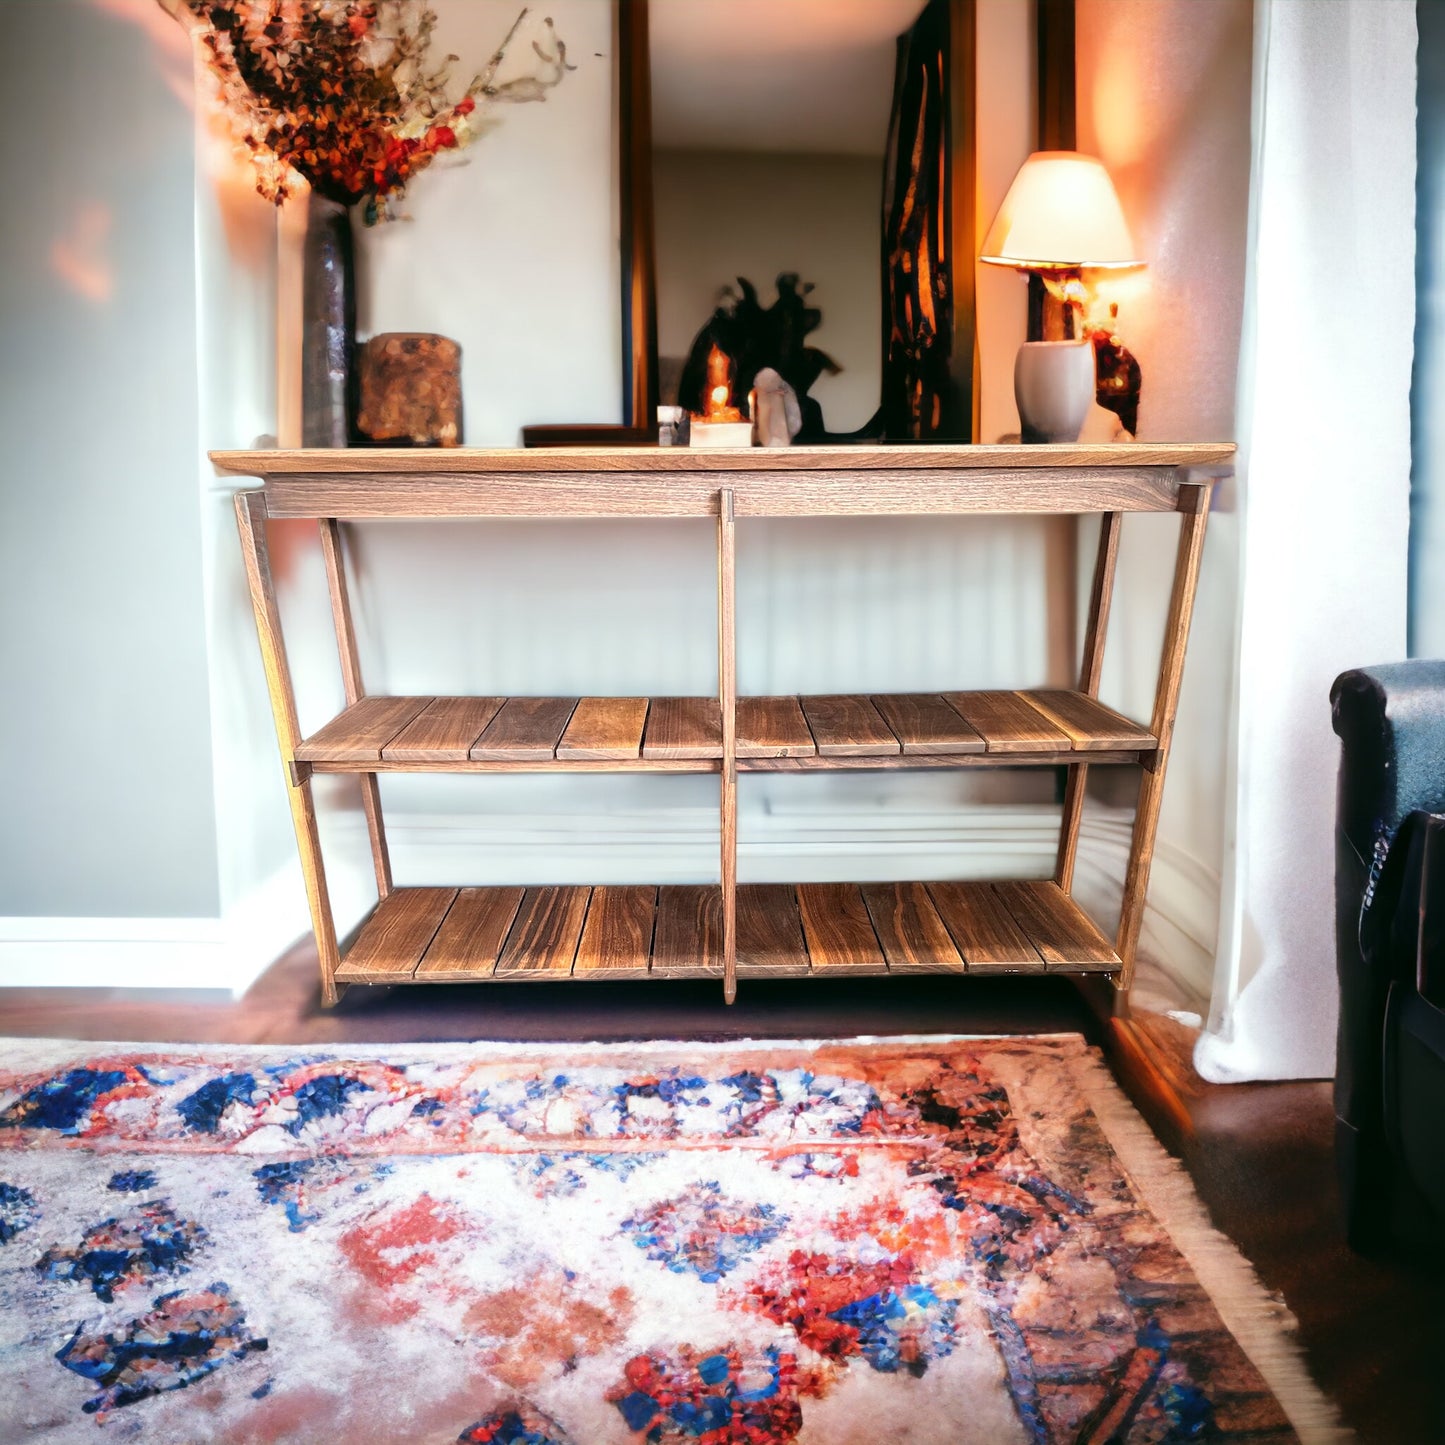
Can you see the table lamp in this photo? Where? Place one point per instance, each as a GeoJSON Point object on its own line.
{"type": "Point", "coordinates": [1061, 217]}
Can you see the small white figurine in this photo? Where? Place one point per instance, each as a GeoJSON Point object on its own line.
{"type": "Point", "coordinates": [777, 417]}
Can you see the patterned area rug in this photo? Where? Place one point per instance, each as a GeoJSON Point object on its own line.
{"type": "Point", "coordinates": [932, 1241]}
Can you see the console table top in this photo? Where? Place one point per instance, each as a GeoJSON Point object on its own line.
{"type": "Point", "coordinates": [472, 461]}
{"type": "Point", "coordinates": [362, 482]}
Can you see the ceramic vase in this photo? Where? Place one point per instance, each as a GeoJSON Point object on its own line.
{"type": "Point", "coordinates": [328, 338]}
{"type": "Point", "coordinates": [1054, 388]}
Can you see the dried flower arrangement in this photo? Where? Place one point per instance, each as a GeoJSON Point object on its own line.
{"type": "Point", "coordinates": [344, 93]}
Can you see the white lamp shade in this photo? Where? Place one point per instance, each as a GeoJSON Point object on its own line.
{"type": "Point", "coordinates": [1060, 213]}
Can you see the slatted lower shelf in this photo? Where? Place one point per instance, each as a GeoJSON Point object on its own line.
{"type": "Point", "coordinates": [452, 935]}
{"type": "Point", "coordinates": [684, 734]}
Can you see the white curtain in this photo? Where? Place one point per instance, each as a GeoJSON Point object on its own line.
{"type": "Point", "coordinates": [1322, 495]}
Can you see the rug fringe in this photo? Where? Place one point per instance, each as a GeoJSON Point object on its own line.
{"type": "Point", "coordinates": [1258, 1318]}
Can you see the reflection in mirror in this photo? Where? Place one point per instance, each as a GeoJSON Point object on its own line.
{"type": "Point", "coordinates": [770, 127]}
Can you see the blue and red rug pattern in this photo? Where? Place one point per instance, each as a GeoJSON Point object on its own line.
{"type": "Point", "coordinates": [928, 1242]}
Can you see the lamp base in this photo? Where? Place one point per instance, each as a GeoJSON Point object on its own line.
{"type": "Point", "coordinates": [1054, 388]}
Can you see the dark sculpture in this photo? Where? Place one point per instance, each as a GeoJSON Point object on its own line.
{"type": "Point", "coordinates": [1117, 368]}
{"type": "Point", "coordinates": [753, 338]}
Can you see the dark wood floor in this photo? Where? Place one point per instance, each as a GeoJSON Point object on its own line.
{"type": "Point", "coordinates": [1259, 1154]}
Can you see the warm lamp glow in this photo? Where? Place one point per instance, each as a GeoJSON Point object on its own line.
{"type": "Point", "coordinates": [1061, 213]}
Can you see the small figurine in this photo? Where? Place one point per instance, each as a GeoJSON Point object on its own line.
{"type": "Point", "coordinates": [777, 417]}
{"type": "Point", "coordinates": [1117, 371]}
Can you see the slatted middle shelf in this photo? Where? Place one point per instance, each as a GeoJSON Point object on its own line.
{"type": "Point", "coordinates": [684, 734]}
{"type": "Point", "coordinates": [456, 935]}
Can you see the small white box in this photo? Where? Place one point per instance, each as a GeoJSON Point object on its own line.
{"type": "Point", "coordinates": [716, 434]}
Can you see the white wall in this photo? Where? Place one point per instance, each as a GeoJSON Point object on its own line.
{"type": "Point", "coordinates": [721, 215]}
{"type": "Point", "coordinates": [1164, 101]}
{"type": "Point", "coordinates": [105, 758]}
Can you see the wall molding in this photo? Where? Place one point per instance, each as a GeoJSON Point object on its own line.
{"type": "Point", "coordinates": [667, 846]}
{"type": "Point", "coordinates": [223, 954]}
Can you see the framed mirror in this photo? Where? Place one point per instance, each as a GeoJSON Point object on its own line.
{"type": "Point", "coordinates": [796, 189]}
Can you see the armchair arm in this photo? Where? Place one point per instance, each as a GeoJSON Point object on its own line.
{"type": "Point", "coordinates": [1391, 723]}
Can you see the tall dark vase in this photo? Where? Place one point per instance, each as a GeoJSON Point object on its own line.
{"type": "Point", "coordinates": [328, 341]}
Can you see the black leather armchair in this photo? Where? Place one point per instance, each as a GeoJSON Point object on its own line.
{"type": "Point", "coordinates": [1390, 947]}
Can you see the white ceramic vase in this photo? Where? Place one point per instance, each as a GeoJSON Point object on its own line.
{"type": "Point", "coordinates": [1054, 388]}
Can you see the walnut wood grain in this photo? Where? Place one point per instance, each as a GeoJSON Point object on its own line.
{"type": "Point", "coordinates": [683, 728]}
{"type": "Point", "coordinates": [924, 723]}
{"type": "Point", "coordinates": [1092, 726]}
{"type": "Point", "coordinates": [984, 930]}
{"type": "Point", "coordinates": [1063, 935]}
{"type": "Point", "coordinates": [617, 938]}
{"type": "Point", "coordinates": [846, 492]}
{"type": "Point", "coordinates": [443, 731]}
{"type": "Point", "coordinates": [893, 762]}
{"type": "Point", "coordinates": [770, 931]}
{"type": "Point", "coordinates": [845, 726]}
{"type": "Point", "coordinates": [912, 935]}
{"type": "Point", "coordinates": [334, 559]}
{"type": "Point", "coordinates": [394, 938]}
{"type": "Point", "coordinates": [1007, 723]}
{"type": "Point", "coordinates": [838, 929]}
{"type": "Point", "coordinates": [727, 691]}
{"type": "Point", "coordinates": [361, 732]}
{"type": "Point", "coordinates": [251, 516]}
{"type": "Point", "coordinates": [527, 729]}
{"type": "Point", "coordinates": [773, 727]}
{"type": "Point", "coordinates": [687, 941]}
{"type": "Point", "coordinates": [544, 935]}
{"type": "Point", "coordinates": [480, 461]}
{"type": "Point", "coordinates": [471, 937]}
{"type": "Point", "coordinates": [1091, 666]}
{"type": "Point", "coordinates": [1166, 701]}
{"type": "Point", "coordinates": [505, 765]}
{"type": "Point", "coordinates": [605, 727]}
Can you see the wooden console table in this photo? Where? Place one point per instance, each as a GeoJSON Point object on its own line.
{"type": "Point", "coordinates": [443, 935]}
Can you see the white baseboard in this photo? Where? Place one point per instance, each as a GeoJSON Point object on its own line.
{"type": "Point", "coordinates": [675, 846]}
{"type": "Point", "coordinates": [226, 954]}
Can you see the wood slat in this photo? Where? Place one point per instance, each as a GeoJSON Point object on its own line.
{"type": "Point", "coordinates": [838, 929]}
{"type": "Point", "coordinates": [688, 939]}
{"type": "Point", "coordinates": [1007, 722]}
{"type": "Point", "coordinates": [605, 727]}
{"type": "Point", "coordinates": [845, 726]}
{"type": "Point", "coordinates": [526, 729]}
{"type": "Point", "coordinates": [544, 935]}
{"type": "Point", "coordinates": [470, 939]}
{"type": "Point", "coordinates": [770, 931]}
{"type": "Point", "coordinates": [773, 727]}
{"type": "Point", "coordinates": [443, 731]}
{"type": "Point", "coordinates": [1091, 725]}
{"type": "Point", "coordinates": [393, 939]}
{"type": "Point", "coordinates": [984, 930]}
{"type": "Point", "coordinates": [363, 730]}
{"type": "Point", "coordinates": [913, 936]}
{"type": "Point", "coordinates": [924, 723]}
{"type": "Point", "coordinates": [617, 939]}
{"type": "Point", "coordinates": [1058, 928]}
{"type": "Point", "coordinates": [683, 727]}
